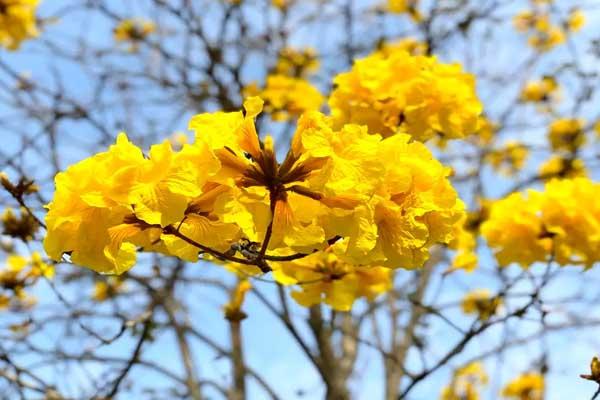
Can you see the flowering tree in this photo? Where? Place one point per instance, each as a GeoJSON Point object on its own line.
{"type": "Point", "coordinates": [323, 199]}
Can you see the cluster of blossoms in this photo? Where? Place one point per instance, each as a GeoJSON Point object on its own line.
{"type": "Point", "coordinates": [409, 7]}
{"type": "Point", "coordinates": [481, 303]}
{"type": "Point", "coordinates": [18, 273]}
{"type": "Point", "coordinates": [466, 383]}
{"type": "Point", "coordinates": [287, 92]}
{"type": "Point", "coordinates": [108, 288]}
{"type": "Point", "coordinates": [561, 167]}
{"type": "Point", "coordinates": [325, 278]}
{"type": "Point", "coordinates": [17, 22]}
{"type": "Point", "coordinates": [543, 90]}
{"type": "Point", "coordinates": [566, 134]}
{"type": "Point", "coordinates": [543, 34]}
{"type": "Point", "coordinates": [528, 386]}
{"type": "Point", "coordinates": [297, 62]}
{"type": "Point", "coordinates": [381, 202]}
{"type": "Point", "coordinates": [286, 97]}
{"type": "Point", "coordinates": [394, 91]}
{"type": "Point", "coordinates": [508, 158]}
{"type": "Point", "coordinates": [133, 31]}
{"type": "Point", "coordinates": [560, 222]}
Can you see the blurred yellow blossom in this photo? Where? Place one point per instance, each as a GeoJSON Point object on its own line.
{"type": "Point", "coordinates": [545, 89]}
{"type": "Point", "coordinates": [133, 31]}
{"type": "Point", "coordinates": [22, 226]}
{"type": "Point", "coordinates": [481, 302]}
{"type": "Point", "coordinates": [466, 383]}
{"type": "Point", "coordinates": [566, 134]}
{"type": "Point", "coordinates": [409, 7]}
{"type": "Point", "coordinates": [297, 62]}
{"type": "Point", "coordinates": [108, 288]}
{"type": "Point", "coordinates": [528, 386]}
{"type": "Point", "coordinates": [576, 20]}
{"type": "Point", "coordinates": [411, 45]}
{"type": "Point", "coordinates": [561, 167]}
{"type": "Point", "coordinates": [233, 309]}
{"type": "Point", "coordinates": [509, 158]}
{"type": "Point", "coordinates": [287, 97]}
{"type": "Point", "coordinates": [17, 22]}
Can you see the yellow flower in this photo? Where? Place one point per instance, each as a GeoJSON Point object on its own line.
{"type": "Point", "coordinates": [233, 309]}
{"type": "Point", "coordinates": [560, 167]}
{"type": "Point", "coordinates": [566, 134]}
{"type": "Point", "coordinates": [324, 278]}
{"type": "Point", "coordinates": [280, 4]}
{"type": "Point", "coordinates": [107, 289]}
{"type": "Point", "coordinates": [18, 273]}
{"type": "Point", "coordinates": [541, 90]}
{"type": "Point", "coordinates": [576, 20]}
{"type": "Point", "coordinates": [413, 46]}
{"type": "Point", "coordinates": [17, 22]}
{"type": "Point", "coordinates": [296, 62]}
{"type": "Point", "coordinates": [287, 97]}
{"type": "Point", "coordinates": [543, 35]}
{"type": "Point", "coordinates": [133, 31]}
{"type": "Point", "coordinates": [562, 220]}
{"type": "Point", "coordinates": [394, 92]}
{"type": "Point", "coordinates": [508, 159]}
{"type": "Point", "coordinates": [465, 244]}
{"type": "Point", "coordinates": [405, 6]}
{"type": "Point", "coordinates": [22, 227]}
{"type": "Point", "coordinates": [546, 35]}
{"type": "Point", "coordinates": [524, 21]}
{"type": "Point", "coordinates": [528, 386]}
{"type": "Point", "coordinates": [291, 196]}
{"type": "Point", "coordinates": [466, 383]}
{"type": "Point", "coordinates": [486, 131]}
{"type": "Point", "coordinates": [122, 200]}
{"type": "Point", "coordinates": [481, 302]}
{"type": "Point", "coordinates": [414, 207]}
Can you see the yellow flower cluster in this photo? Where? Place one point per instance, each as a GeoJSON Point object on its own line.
{"type": "Point", "coordinates": [287, 97]}
{"type": "Point", "coordinates": [133, 31]}
{"type": "Point", "coordinates": [561, 167]}
{"type": "Point", "coordinates": [18, 273]}
{"type": "Point", "coordinates": [297, 62]}
{"type": "Point", "coordinates": [561, 221]}
{"type": "Point", "coordinates": [466, 383]}
{"type": "Point", "coordinates": [405, 7]}
{"type": "Point", "coordinates": [543, 34]}
{"type": "Point", "coordinates": [108, 288]}
{"type": "Point", "coordinates": [528, 386]}
{"type": "Point", "coordinates": [17, 22]}
{"type": "Point", "coordinates": [394, 91]}
{"type": "Point", "coordinates": [465, 244]}
{"type": "Point", "coordinates": [22, 226]}
{"type": "Point", "coordinates": [383, 201]}
{"type": "Point", "coordinates": [323, 277]}
{"type": "Point", "coordinates": [543, 90]}
{"type": "Point", "coordinates": [509, 158]}
{"type": "Point", "coordinates": [576, 20]}
{"type": "Point", "coordinates": [481, 302]}
{"type": "Point", "coordinates": [566, 134]}
{"type": "Point", "coordinates": [413, 46]}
